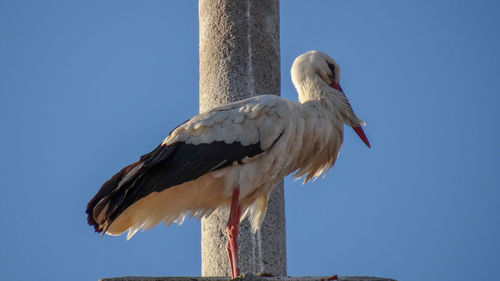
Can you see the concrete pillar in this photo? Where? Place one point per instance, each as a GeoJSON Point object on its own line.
{"type": "Point", "coordinates": [240, 58]}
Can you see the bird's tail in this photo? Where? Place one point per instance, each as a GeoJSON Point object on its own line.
{"type": "Point", "coordinates": [101, 209]}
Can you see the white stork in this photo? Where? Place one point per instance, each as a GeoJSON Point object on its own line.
{"type": "Point", "coordinates": [232, 156]}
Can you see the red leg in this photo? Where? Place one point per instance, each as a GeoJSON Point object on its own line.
{"type": "Point", "coordinates": [232, 233]}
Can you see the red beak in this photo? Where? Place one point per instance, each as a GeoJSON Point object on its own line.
{"type": "Point", "coordinates": [336, 85]}
{"type": "Point", "coordinates": [362, 135]}
{"type": "Point", "coordinates": [358, 130]}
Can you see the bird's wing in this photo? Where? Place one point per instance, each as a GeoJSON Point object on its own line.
{"type": "Point", "coordinates": [256, 120]}
{"type": "Point", "coordinates": [227, 135]}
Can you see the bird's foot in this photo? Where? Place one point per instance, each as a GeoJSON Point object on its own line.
{"type": "Point", "coordinates": [333, 277]}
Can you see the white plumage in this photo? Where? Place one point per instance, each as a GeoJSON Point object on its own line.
{"type": "Point", "coordinates": [249, 144]}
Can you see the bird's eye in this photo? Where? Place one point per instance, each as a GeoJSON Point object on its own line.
{"type": "Point", "coordinates": [331, 66]}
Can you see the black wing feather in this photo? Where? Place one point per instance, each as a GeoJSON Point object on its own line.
{"type": "Point", "coordinates": [164, 167]}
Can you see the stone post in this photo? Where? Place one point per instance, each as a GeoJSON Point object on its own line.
{"type": "Point", "coordinates": [240, 58]}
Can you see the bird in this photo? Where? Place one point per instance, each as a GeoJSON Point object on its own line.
{"type": "Point", "coordinates": [231, 157]}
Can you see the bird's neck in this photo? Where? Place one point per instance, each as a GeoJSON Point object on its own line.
{"type": "Point", "coordinates": [311, 88]}
{"type": "Point", "coordinates": [314, 90]}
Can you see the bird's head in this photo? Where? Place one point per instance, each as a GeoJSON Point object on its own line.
{"type": "Point", "coordinates": [316, 76]}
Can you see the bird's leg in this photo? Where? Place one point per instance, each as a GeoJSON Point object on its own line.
{"type": "Point", "coordinates": [232, 233]}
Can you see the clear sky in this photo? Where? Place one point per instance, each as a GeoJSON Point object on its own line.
{"type": "Point", "coordinates": [86, 87]}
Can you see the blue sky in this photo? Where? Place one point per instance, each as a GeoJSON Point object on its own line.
{"type": "Point", "coordinates": [87, 87]}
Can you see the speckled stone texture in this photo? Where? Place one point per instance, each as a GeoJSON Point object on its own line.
{"type": "Point", "coordinates": [240, 58]}
{"type": "Point", "coordinates": [248, 277]}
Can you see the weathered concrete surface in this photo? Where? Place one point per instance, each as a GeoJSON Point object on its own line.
{"type": "Point", "coordinates": [248, 277]}
{"type": "Point", "coordinates": [240, 58]}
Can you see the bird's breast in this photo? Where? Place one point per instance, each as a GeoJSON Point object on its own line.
{"type": "Point", "coordinates": [317, 141]}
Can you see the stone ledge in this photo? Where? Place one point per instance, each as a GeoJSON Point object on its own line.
{"type": "Point", "coordinates": [246, 277]}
